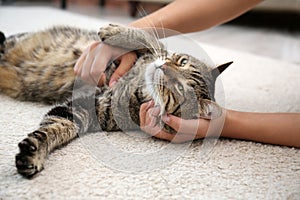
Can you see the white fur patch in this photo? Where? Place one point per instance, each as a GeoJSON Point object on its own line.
{"type": "Point", "coordinates": [152, 71]}
{"type": "Point", "coordinates": [159, 62]}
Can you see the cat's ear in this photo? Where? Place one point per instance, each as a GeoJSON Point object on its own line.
{"type": "Point", "coordinates": [219, 69]}
{"type": "Point", "coordinates": [2, 38]}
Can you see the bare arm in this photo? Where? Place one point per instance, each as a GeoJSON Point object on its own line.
{"type": "Point", "coordinates": [181, 15]}
{"type": "Point", "coordinates": [195, 15]}
{"type": "Point", "coordinates": [272, 128]}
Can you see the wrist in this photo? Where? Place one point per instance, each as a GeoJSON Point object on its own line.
{"type": "Point", "coordinates": [230, 121]}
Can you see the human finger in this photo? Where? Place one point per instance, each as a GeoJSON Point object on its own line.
{"type": "Point", "coordinates": [81, 59]}
{"type": "Point", "coordinates": [83, 56]}
{"type": "Point", "coordinates": [161, 134]}
{"type": "Point", "coordinates": [127, 60]}
{"type": "Point", "coordinates": [87, 63]}
{"type": "Point", "coordinates": [192, 127]}
{"type": "Point", "coordinates": [102, 57]}
{"type": "Point", "coordinates": [179, 124]}
{"type": "Point", "coordinates": [154, 111]}
{"type": "Point", "coordinates": [102, 79]}
{"type": "Point", "coordinates": [148, 120]}
{"type": "Point", "coordinates": [78, 65]}
{"type": "Point", "coordinates": [143, 112]}
{"type": "Point", "coordinates": [151, 116]}
{"type": "Point", "coordinates": [172, 137]}
{"type": "Point", "coordinates": [148, 116]}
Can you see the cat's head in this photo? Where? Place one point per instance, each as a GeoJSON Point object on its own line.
{"type": "Point", "coordinates": [183, 86]}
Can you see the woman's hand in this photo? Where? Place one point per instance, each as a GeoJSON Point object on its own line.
{"type": "Point", "coordinates": [187, 130]}
{"type": "Point", "coordinates": [93, 62]}
{"type": "Point", "coordinates": [270, 128]}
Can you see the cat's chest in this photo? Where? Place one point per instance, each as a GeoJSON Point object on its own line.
{"type": "Point", "coordinates": [132, 85]}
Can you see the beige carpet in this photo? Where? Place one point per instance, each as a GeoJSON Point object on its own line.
{"type": "Point", "coordinates": [231, 170]}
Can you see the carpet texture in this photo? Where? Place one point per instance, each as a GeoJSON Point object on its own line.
{"type": "Point", "coordinates": [232, 169]}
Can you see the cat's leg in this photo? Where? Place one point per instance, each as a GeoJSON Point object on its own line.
{"type": "Point", "coordinates": [130, 38]}
{"type": "Point", "coordinates": [60, 125]}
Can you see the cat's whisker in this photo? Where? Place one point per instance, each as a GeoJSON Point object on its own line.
{"type": "Point", "coordinates": [164, 55]}
{"type": "Point", "coordinates": [156, 37]}
{"type": "Point", "coordinates": [146, 46]}
{"type": "Point", "coordinates": [163, 29]}
{"type": "Point", "coordinates": [164, 51]}
{"type": "Point", "coordinates": [160, 49]}
{"type": "Point", "coordinates": [150, 24]}
{"type": "Point", "coordinates": [141, 11]}
{"type": "Point", "coordinates": [152, 45]}
{"type": "Point", "coordinates": [153, 31]}
{"type": "Point", "coordinates": [153, 91]}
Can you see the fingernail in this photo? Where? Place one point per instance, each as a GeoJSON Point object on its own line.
{"type": "Point", "coordinates": [165, 118]}
{"type": "Point", "coordinates": [75, 66]}
{"type": "Point", "coordinates": [149, 104]}
{"type": "Point", "coordinates": [112, 83]}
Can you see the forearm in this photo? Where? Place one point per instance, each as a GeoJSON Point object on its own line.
{"type": "Point", "coordinates": [271, 128]}
{"type": "Point", "coordinates": [195, 15]}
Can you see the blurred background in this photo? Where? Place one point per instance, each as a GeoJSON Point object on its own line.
{"type": "Point", "coordinates": [271, 29]}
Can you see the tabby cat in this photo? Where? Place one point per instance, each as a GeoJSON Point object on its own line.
{"type": "Point", "coordinates": [39, 67]}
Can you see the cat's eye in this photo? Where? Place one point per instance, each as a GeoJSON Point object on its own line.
{"type": "Point", "coordinates": [180, 88]}
{"type": "Point", "coordinates": [182, 61]}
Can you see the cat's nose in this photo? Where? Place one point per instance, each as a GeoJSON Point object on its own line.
{"type": "Point", "coordinates": [163, 67]}
{"type": "Point", "coordinates": [158, 66]}
{"type": "Point", "coordinates": [159, 63]}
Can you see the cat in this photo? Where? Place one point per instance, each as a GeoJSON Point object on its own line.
{"type": "Point", "coordinates": [38, 67]}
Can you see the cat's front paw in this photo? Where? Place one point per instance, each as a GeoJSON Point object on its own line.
{"type": "Point", "coordinates": [32, 154]}
{"type": "Point", "coordinates": [110, 30]}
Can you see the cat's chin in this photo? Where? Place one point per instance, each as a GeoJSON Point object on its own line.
{"type": "Point", "coordinates": [154, 73]}
{"type": "Point", "coordinates": [153, 80]}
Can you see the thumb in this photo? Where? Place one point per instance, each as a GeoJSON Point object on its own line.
{"type": "Point", "coordinates": [127, 60]}
{"type": "Point", "coordinates": [186, 126]}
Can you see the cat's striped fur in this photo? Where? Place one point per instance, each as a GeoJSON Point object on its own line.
{"type": "Point", "coordinates": [39, 67]}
